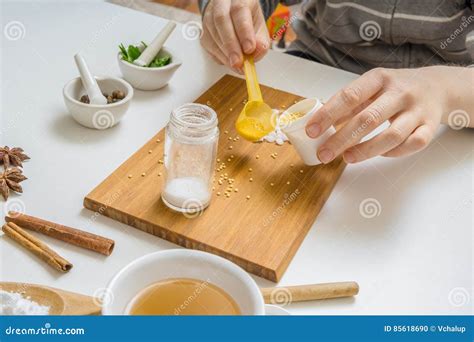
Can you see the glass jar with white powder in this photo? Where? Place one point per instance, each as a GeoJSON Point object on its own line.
{"type": "Point", "coordinates": [190, 153]}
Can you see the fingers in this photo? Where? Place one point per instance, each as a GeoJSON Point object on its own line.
{"type": "Point", "coordinates": [243, 24]}
{"type": "Point", "coordinates": [384, 107]}
{"type": "Point", "coordinates": [212, 48]}
{"type": "Point", "coordinates": [228, 41]}
{"type": "Point", "coordinates": [345, 101]}
{"type": "Point", "coordinates": [262, 36]}
{"type": "Point", "coordinates": [420, 138]}
{"type": "Point", "coordinates": [393, 136]}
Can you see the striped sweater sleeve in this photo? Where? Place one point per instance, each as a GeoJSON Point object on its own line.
{"type": "Point", "coordinates": [268, 6]}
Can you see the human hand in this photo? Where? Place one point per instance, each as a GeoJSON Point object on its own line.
{"type": "Point", "coordinates": [412, 100]}
{"type": "Point", "coordinates": [234, 27]}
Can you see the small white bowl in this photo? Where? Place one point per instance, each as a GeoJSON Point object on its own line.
{"type": "Point", "coordinates": [97, 116]}
{"type": "Point", "coordinates": [182, 263]}
{"type": "Point", "coordinates": [296, 132]}
{"type": "Point", "coordinates": [144, 78]}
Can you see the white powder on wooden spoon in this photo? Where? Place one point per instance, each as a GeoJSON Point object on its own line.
{"type": "Point", "coordinates": [12, 303]}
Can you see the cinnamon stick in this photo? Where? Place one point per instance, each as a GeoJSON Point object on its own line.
{"type": "Point", "coordinates": [70, 235]}
{"type": "Point", "coordinates": [37, 247]}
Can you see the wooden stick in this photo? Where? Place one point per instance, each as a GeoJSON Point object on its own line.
{"type": "Point", "coordinates": [277, 295]}
{"type": "Point", "coordinates": [70, 235]}
{"type": "Point", "coordinates": [37, 247]}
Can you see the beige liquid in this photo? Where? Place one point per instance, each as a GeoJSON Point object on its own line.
{"type": "Point", "coordinates": [183, 296]}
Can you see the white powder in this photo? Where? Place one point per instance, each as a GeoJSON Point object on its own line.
{"type": "Point", "coordinates": [12, 303]}
{"type": "Point", "coordinates": [277, 136]}
{"type": "Point", "coordinates": [187, 193]}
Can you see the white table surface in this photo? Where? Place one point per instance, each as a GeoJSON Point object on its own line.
{"type": "Point", "coordinates": [415, 257]}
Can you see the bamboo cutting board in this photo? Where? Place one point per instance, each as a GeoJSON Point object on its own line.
{"type": "Point", "coordinates": [261, 233]}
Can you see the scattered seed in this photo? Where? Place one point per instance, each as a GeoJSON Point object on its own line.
{"type": "Point", "coordinates": [130, 176]}
{"type": "Point", "coordinates": [250, 169]}
{"type": "Point", "coordinates": [143, 174]}
{"type": "Point", "coordinates": [159, 174]}
{"type": "Point", "coordinates": [288, 182]}
{"type": "Point", "coordinates": [236, 190]}
{"type": "Point", "coordinates": [248, 197]}
{"type": "Point", "coordinates": [231, 156]}
{"type": "Point", "coordinates": [235, 139]}
{"type": "Point", "coordinates": [275, 153]}
{"type": "Point", "coordinates": [272, 184]}
{"type": "Point", "coordinates": [250, 179]}
{"type": "Point", "coordinates": [231, 147]}
{"type": "Point", "coordinates": [218, 160]}
{"type": "Point", "coordinates": [213, 188]}
{"type": "Point", "coordinates": [228, 159]}
{"type": "Point", "coordinates": [291, 165]}
{"type": "Point", "coordinates": [257, 156]}
{"type": "Point", "coordinates": [301, 171]}
{"type": "Point", "coordinates": [218, 193]}
{"type": "Point", "coordinates": [230, 109]}
{"type": "Point", "coordinates": [158, 140]}
{"type": "Point", "coordinates": [226, 132]}
{"type": "Point", "coordinates": [160, 161]}
{"type": "Point", "coordinates": [150, 151]}
{"type": "Point", "coordinates": [208, 103]}
{"type": "Point", "coordinates": [229, 138]}
{"type": "Point", "coordinates": [220, 182]}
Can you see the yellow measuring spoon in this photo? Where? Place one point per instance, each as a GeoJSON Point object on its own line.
{"type": "Point", "coordinates": [255, 120]}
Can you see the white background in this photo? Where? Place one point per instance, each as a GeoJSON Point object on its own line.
{"type": "Point", "coordinates": [415, 257]}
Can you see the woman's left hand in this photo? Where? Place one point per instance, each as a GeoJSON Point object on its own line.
{"type": "Point", "coordinates": [414, 101]}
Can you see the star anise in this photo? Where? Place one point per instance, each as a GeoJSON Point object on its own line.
{"type": "Point", "coordinates": [9, 180]}
{"type": "Point", "coordinates": [14, 156]}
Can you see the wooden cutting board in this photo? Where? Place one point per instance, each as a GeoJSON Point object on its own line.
{"type": "Point", "coordinates": [261, 233]}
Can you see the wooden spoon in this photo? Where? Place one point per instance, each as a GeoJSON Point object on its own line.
{"type": "Point", "coordinates": [60, 302]}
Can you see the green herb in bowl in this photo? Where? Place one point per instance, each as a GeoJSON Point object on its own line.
{"type": "Point", "coordinates": [133, 52]}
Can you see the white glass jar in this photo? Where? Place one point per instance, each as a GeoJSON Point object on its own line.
{"type": "Point", "coordinates": [190, 154]}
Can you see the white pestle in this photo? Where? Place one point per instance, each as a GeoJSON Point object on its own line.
{"type": "Point", "coordinates": [89, 82]}
{"type": "Point", "coordinates": [152, 50]}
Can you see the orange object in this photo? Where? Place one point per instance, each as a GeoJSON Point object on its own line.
{"type": "Point", "coordinates": [277, 23]}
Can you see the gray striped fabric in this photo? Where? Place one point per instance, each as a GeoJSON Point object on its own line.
{"type": "Point", "coordinates": [362, 34]}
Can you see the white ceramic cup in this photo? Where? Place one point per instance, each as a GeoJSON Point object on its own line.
{"type": "Point", "coordinates": [182, 263]}
{"type": "Point", "coordinates": [296, 133]}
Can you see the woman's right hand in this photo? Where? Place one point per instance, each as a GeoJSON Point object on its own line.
{"type": "Point", "coordinates": [232, 28]}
